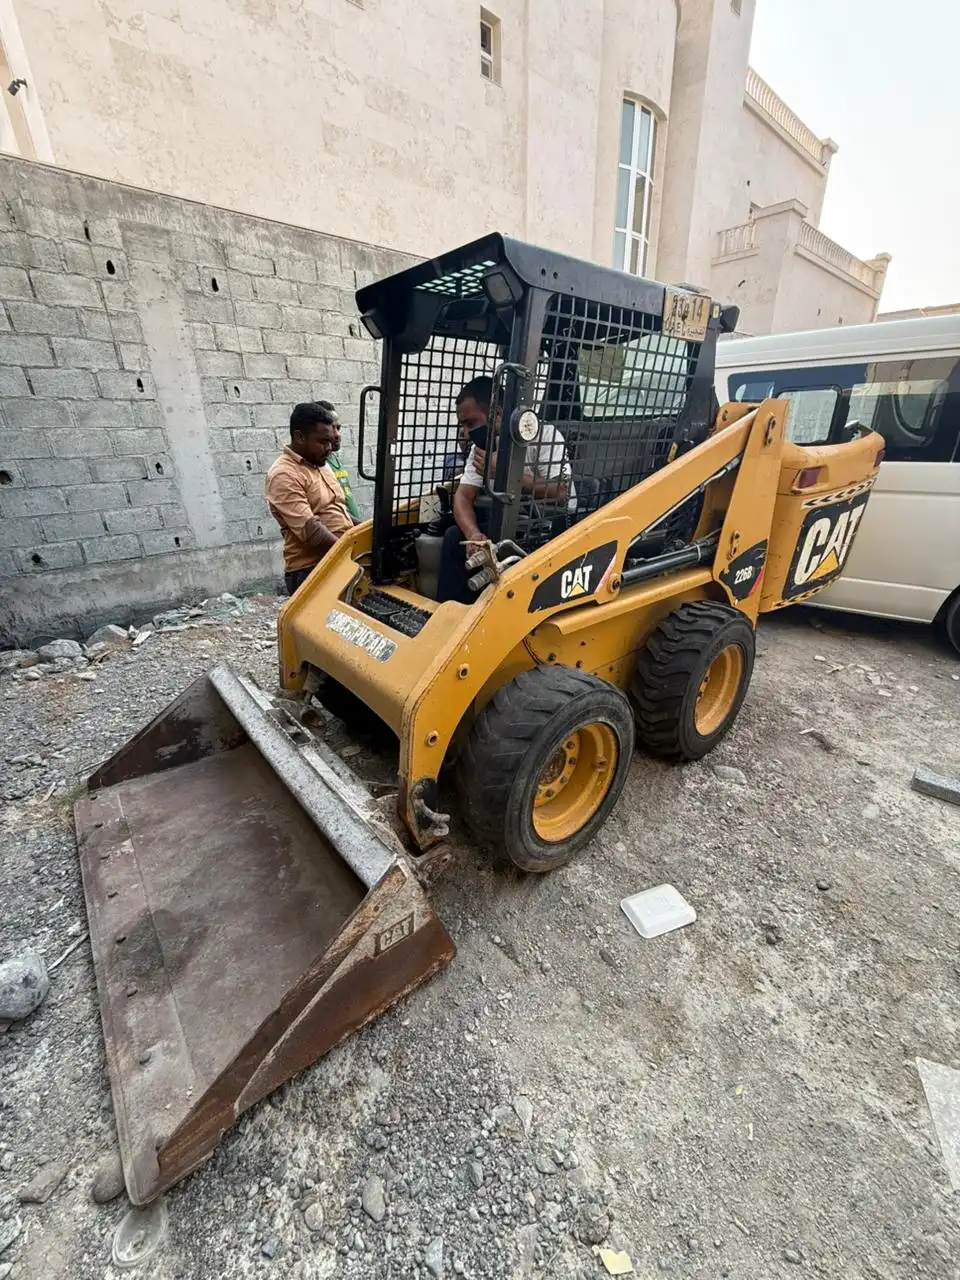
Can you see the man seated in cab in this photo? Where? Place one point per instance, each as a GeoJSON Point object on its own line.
{"type": "Point", "coordinates": [547, 477]}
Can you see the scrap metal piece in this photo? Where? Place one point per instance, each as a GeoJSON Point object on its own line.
{"type": "Point", "coordinates": [941, 1086]}
{"type": "Point", "coordinates": [941, 785]}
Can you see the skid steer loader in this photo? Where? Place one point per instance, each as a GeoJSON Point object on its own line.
{"type": "Point", "coordinates": [249, 906]}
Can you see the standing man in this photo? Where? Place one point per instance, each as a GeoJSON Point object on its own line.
{"type": "Point", "coordinates": [304, 495]}
{"type": "Point", "coordinates": [337, 467]}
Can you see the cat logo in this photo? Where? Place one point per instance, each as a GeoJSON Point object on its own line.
{"type": "Point", "coordinates": [575, 582]}
{"type": "Point", "coordinates": [826, 537]}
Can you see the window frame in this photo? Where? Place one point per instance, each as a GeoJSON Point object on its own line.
{"type": "Point", "coordinates": [622, 260]}
{"type": "Point", "coordinates": [490, 60]}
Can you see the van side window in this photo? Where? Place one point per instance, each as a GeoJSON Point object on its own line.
{"type": "Point", "coordinates": [914, 405]}
{"type": "Point", "coordinates": [811, 413]}
{"type": "Point", "coordinates": [750, 391]}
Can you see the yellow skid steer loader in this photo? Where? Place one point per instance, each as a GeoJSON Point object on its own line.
{"type": "Point", "coordinates": [249, 907]}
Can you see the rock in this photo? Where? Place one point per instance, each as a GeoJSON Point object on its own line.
{"type": "Point", "coordinates": [729, 773]}
{"type": "Point", "coordinates": [824, 885]}
{"type": "Point", "coordinates": [373, 1198]}
{"type": "Point", "coordinates": [44, 1183]}
{"type": "Point", "coordinates": [871, 812]}
{"type": "Point", "coordinates": [772, 934]}
{"type": "Point", "coordinates": [24, 983]}
{"type": "Point", "coordinates": [9, 1231]}
{"type": "Point", "coordinates": [433, 1257]}
{"type": "Point", "coordinates": [791, 1255]}
{"type": "Point", "coordinates": [34, 673]}
{"type": "Point", "coordinates": [60, 649]}
{"type": "Point", "coordinates": [524, 1109]}
{"type": "Point", "coordinates": [313, 1216]}
{"type": "Point", "coordinates": [593, 1223]}
{"type": "Point", "coordinates": [5, 1269]}
{"type": "Point", "coordinates": [475, 1173]}
{"type": "Point", "coordinates": [7, 1161]}
{"type": "Point", "coordinates": [269, 1249]}
{"type": "Point", "coordinates": [544, 1163]}
{"type": "Point", "coordinates": [108, 1178]}
{"type": "Point", "coordinates": [111, 636]}
{"type": "Point", "coordinates": [16, 660]}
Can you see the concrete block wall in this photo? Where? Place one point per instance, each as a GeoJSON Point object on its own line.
{"type": "Point", "coordinates": [150, 352]}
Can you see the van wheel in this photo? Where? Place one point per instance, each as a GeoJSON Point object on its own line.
{"type": "Point", "coordinates": [545, 764]}
{"type": "Point", "coordinates": [691, 678]}
{"type": "Point", "coordinates": [951, 621]}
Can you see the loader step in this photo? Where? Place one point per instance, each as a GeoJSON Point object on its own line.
{"type": "Point", "coordinates": [406, 618]}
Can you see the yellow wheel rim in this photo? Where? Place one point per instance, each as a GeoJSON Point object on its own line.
{"type": "Point", "coordinates": [718, 690]}
{"type": "Point", "coordinates": [572, 786]}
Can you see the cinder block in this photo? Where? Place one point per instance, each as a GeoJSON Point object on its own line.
{"type": "Point", "coordinates": [349, 371]}
{"type": "Point", "coordinates": [270, 289]}
{"type": "Point", "coordinates": [80, 524]}
{"type": "Point", "coordinates": [23, 444]}
{"type": "Point", "coordinates": [134, 356]}
{"type": "Point", "coordinates": [199, 249]}
{"type": "Point", "coordinates": [11, 473]}
{"type": "Point", "coordinates": [143, 441]}
{"type": "Point", "coordinates": [261, 315]}
{"type": "Point", "coordinates": [321, 297]}
{"type": "Point", "coordinates": [107, 469]}
{"type": "Point", "coordinates": [291, 391]}
{"type": "Point", "coordinates": [227, 337]}
{"type": "Point", "coordinates": [188, 274]}
{"type": "Point", "coordinates": [14, 283]}
{"type": "Point", "coordinates": [213, 390]}
{"type": "Point", "coordinates": [54, 471]}
{"type": "Point", "coordinates": [132, 519]}
{"type": "Point", "coordinates": [50, 555]}
{"type": "Point", "coordinates": [342, 324]}
{"type": "Point", "coordinates": [278, 414]}
{"type": "Point", "coordinates": [125, 326]}
{"type": "Point", "coordinates": [219, 364]}
{"type": "Point", "coordinates": [264, 529]}
{"type": "Point", "coordinates": [360, 349]}
{"type": "Point", "coordinates": [44, 254]}
{"type": "Point", "coordinates": [296, 267]}
{"type": "Point", "coordinates": [34, 317]}
{"type": "Point", "coordinates": [18, 533]}
{"type": "Point", "coordinates": [148, 414]}
{"type": "Point", "coordinates": [117, 295]}
{"type": "Point", "coordinates": [146, 243]}
{"type": "Point", "coordinates": [151, 492]}
{"type": "Point", "coordinates": [80, 443]}
{"type": "Point", "coordinates": [66, 290]}
{"type": "Point", "coordinates": [123, 547]}
{"type": "Point", "coordinates": [250, 263]}
{"type": "Point", "coordinates": [116, 384]}
{"type": "Point", "coordinates": [104, 231]}
{"type": "Point", "coordinates": [93, 324]}
{"type": "Point", "coordinates": [173, 515]}
{"type": "Point", "coordinates": [53, 223]}
{"type": "Point", "coordinates": [164, 541]}
{"type": "Point", "coordinates": [215, 310]}
{"type": "Point", "coordinates": [324, 345]}
{"type": "Point", "coordinates": [79, 259]}
{"type": "Point", "coordinates": [97, 497]}
{"type": "Point", "coordinates": [14, 250]}
{"type": "Point", "coordinates": [13, 381]}
{"type": "Point", "coordinates": [283, 343]}
{"type": "Point", "coordinates": [5, 325]}
{"type": "Point", "coordinates": [8, 565]}
{"type": "Point", "coordinates": [231, 486]}
{"type": "Point", "coordinates": [202, 335]}
{"type": "Point", "coordinates": [63, 384]}
{"type": "Point", "coordinates": [104, 413]}
{"type": "Point", "coordinates": [19, 503]}
{"type": "Point", "coordinates": [234, 464]}
{"type": "Point", "coordinates": [240, 286]}
{"type": "Point", "coordinates": [300, 320]}
{"type": "Point", "coordinates": [250, 339]}
{"type": "Point", "coordinates": [264, 366]}
{"type": "Point", "coordinates": [249, 441]}
{"type": "Point", "coordinates": [246, 509]}
{"type": "Point", "coordinates": [31, 412]}
{"type": "Point", "coordinates": [20, 349]}
{"type": "Point", "coordinates": [309, 368]}
{"type": "Point", "coordinates": [85, 353]}
{"type": "Point", "coordinates": [248, 390]}
{"type": "Point", "coordinates": [225, 416]}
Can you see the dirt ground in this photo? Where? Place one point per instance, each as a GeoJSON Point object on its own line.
{"type": "Point", "coordinates": [737, 1099]}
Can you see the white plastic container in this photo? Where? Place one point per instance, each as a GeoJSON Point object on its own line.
{"type": "Point", "coordinates": [656, 911]}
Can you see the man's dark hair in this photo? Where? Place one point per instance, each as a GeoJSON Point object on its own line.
{"type": "Point", "coordinates": [306, 417]}
{"type": "Point", "coordinates": [479, 389]}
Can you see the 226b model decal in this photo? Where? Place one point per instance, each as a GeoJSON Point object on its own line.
{"type": "Point", "coordinates": [743, 576]}
{"type": "Point", "coordinates": [824, 542]}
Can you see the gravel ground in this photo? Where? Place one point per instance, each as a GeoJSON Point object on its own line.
{"type": "Point", "coordinates": [739, 1099]}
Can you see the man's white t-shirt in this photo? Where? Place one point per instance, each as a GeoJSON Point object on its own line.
{"type": "Point", "coordinates": [547, 462]}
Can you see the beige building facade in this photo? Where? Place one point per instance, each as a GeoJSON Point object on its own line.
{"type": "Point", "coordinates": [628, 131]}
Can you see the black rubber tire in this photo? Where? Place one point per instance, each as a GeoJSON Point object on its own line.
{"type": "Point", "coordinates": [671, 668]}
{"type": "Point", "coordinates": [514, 738]}
{"type": "Point", "coordinates": [951, 620]}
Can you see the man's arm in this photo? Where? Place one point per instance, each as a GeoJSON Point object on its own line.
{"type": "Point", "coordinates": [290, 507]}
{"type": "Point", "coordinates": [464, 511]}
{"type": "Point", "coordinates": [552, 472]}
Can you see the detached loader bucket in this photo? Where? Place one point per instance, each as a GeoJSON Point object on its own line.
{"type": "Point", "coordinates": [247, 912]}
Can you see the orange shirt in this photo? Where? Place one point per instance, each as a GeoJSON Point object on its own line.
{"type": "Point", "coordinates": [298, 492]}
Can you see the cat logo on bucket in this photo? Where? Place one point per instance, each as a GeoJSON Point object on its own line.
{"type": "Point", "coordinates": [824, 542]}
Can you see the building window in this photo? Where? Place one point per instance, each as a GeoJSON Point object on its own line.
{"type": "Point", "coordinates": [631, 238]}
{"type": "Point", "coordinates": [735, 6]}
{"type": "Point", "coordinates": [489, 46]}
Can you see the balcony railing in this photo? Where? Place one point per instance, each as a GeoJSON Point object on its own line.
{"type": "Point", "coordinates": [827, 250]}
{"type": "Point", "coordinates": [775, 107]}
{"type": "Point", "coordinates": [740, 239]}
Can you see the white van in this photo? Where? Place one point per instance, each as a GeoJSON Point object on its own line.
{"type": "Point", "coordinates": [902, 378]}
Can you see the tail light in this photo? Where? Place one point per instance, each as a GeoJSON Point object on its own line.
{"type": "Point", "coordinates": [879, 458]}
{"type": "Point", "coordinates": [807, 478]}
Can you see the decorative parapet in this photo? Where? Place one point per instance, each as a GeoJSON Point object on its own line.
{"type": "Point", "coordinates": [768, 104]}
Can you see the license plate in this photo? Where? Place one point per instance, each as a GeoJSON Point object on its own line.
{"type": "Point", "coordinates": [686, 315]}
{"type": "Point", "coordinates": [378, 646]}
